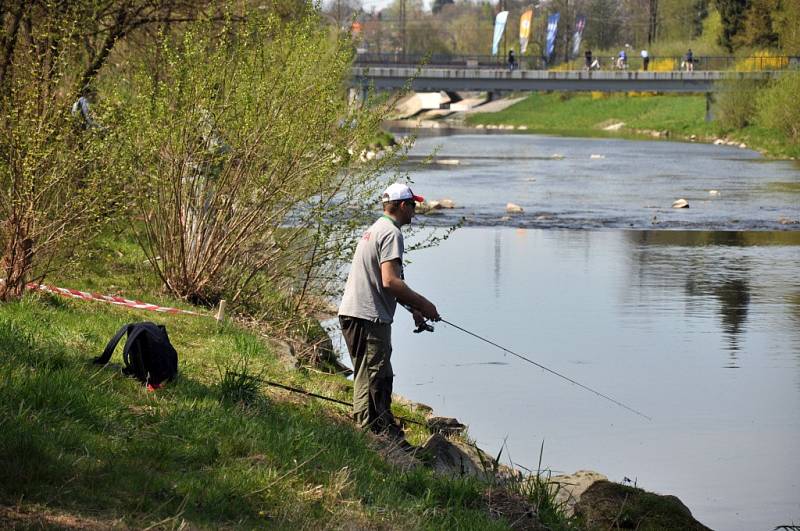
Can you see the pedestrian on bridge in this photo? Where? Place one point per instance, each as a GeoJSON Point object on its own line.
{"type": "Point", "coordinates": [645, 60]}
{"type": "Point", "coordinates": [622, 60]}
{"type": "Point", "coordinates": [689, 61]}
{"type": "Point", "coordinates": [512, 61]}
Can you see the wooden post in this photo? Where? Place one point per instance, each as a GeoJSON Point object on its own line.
{"type": "Point", "coordinates": [220, 317]}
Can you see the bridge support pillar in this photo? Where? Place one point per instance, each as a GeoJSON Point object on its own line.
{"type": "Point", "coordinates": [356, 96]}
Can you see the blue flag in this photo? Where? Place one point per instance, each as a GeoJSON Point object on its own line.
{"type": "Point", "coordinates": [552, 28]}
{"type": "Point", "coordinates": [499, 27]}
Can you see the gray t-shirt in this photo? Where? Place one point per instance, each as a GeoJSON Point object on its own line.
{"type": "Point", "coordinates": [364, 296]}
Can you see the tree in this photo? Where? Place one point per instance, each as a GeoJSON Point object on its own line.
{"type": "Point", "coordinates": [469, 28]}
{"type": "Point", "coordinates": [343, 11]}
{"type": "Point", "coordinates": [604, 27]}
{"type": "Point", "coordinates": [786, 22]}
{"type": "Point", "coordinates": [757, 28]}
{"type": "Point", "coordinates": [732, 14]}
{"type": "Point", "coordinates": [681, 20]}
{"type": "Point", "coordinates": [637, 23]}
{"type": "Point", "coordinates": [439, 4]}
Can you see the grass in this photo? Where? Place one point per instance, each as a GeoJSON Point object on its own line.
{"type": "Point", "coordinates": [587, 114]}
{"type": "Point", "coordinates": [209, 450]}
{"type": "Point", "coordinates": [583, 115]}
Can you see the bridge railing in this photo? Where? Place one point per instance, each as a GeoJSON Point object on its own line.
{"type": "Point", "coordinates": [656, 63]}
{"type": "Point", "coordinates": [444, 61]}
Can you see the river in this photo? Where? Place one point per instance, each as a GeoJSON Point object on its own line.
{"type": "Point", "coordinates": [690, 316]}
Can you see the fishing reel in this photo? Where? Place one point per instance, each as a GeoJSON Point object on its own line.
{"type": "Point", "coordinates": [424, 326]}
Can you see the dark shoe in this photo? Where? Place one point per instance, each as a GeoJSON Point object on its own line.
{"type": "Point", "coordinates": [395, 436]}
{"type": "Point", "coordinates": [394, 432]}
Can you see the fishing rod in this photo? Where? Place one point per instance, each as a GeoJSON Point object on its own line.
{"type": "Point", "coordinates": [424, 326]}
{"type": "Point", "coordinates": [314, 395]}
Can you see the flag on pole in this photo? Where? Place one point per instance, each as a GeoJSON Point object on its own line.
{"type": "Point", "coordinates": [580, 24]}
{"type": "Point", "coordinates": [499, 28]}
{"type": "Point", "coordinates": [525, 30]}
{"type": "Point", "coordinates": [552, 28]}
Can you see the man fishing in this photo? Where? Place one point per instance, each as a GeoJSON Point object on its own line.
{"type": "Point", "coordinates": [374, 286]}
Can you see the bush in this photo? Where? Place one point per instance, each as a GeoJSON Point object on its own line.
{"type": "Point", "coordinates": [762, 60]}
{"type": "Point", "coordinates": [55, 190]}
{"type": "Point", "coordinates": [245, 151]}
{"type": "Point", "coordinates": [778, 109]}
{"type": "Point", "coordinates": [736, 103]}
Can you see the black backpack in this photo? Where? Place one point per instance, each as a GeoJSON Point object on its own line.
{"type": "Point", "coordinates": [148, 354]}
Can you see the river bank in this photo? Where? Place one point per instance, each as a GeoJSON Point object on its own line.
{"type": "Point", "coordinates": [636, 116]}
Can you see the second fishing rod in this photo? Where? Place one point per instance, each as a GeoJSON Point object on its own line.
{"type": "Point", "coordinates": [423, 325]}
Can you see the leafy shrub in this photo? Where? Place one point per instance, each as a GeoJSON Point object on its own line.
{"type": "Point", "coordinates": [245, 151]}
{"type": "Point", "coordinates": [736, 103]}
{"type": "Point", "coordinates": [663, 64]}
{"type": "Point", "coordinates": [762, 60]}
{"type": "Point", "coordinates": [55, 190]}
{"type": "Point", "coordinates": [778, 109]}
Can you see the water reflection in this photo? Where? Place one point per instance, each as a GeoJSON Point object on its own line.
{"type": "Point", "coordinates": [497, 263]}
{"type": "Point", "coordinates": [704, 263]}
{"type": "Point", "coordinates": [734, 298]}
{"type": "Point", "coordinates": [694, 238]}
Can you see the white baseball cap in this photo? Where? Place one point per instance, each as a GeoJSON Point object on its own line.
{"type": "Point", "coordinates": [400, 192]}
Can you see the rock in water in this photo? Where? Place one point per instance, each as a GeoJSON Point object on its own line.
{"type": "Point", "coordinates": [572, 486]}
{"type": "Point", "coordinates": [455, 460]}
{"type": "Point", "coordinates": [445, 425]}
{"type": "Point", "coordinates": [607, 505]}
{"type": "Point", "coordinates": [512, 208]}
{"type": "Point", "coordinates": [680, 203]}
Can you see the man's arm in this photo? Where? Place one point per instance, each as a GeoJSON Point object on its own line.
{"type": "Point", "coordinates": [390, 277]}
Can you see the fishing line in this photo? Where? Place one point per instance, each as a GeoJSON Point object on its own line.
{"type": "Point", "coordinates": [551, 371]}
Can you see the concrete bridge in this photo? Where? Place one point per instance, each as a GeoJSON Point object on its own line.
{"type": "Point", "coordinates": [430, 79]}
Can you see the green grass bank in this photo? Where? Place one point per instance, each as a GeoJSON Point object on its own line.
{"type": "Point", "coordinates": [674, 117]}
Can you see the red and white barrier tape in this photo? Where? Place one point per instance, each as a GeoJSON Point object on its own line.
{"type": "Point", "coordinates": [119, 301]}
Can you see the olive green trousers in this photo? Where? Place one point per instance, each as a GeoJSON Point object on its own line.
{"type": "Point", "coordinates": [370, 348]}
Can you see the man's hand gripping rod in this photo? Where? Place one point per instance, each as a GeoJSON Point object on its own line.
{"type": "Point", "coordinates": [422, 326]}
